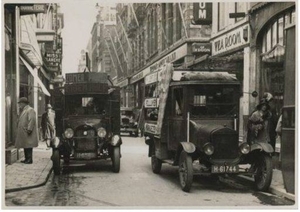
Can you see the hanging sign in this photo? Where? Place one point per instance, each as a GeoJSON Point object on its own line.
{"type": "Point", "coordinates": [32, 9]}
{"type": "Point", "coordinates": [202, 13]}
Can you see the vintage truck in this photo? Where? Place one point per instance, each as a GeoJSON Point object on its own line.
{"type": "Point", "coordinates": [191, 121]}
{"type": "Point", "coordinates": [88, 120]}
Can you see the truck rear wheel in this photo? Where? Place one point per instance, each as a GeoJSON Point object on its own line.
{"type": "Point", "coordinates": [185, 171]}
{"type": "Point", "coordinates": [156, 164]}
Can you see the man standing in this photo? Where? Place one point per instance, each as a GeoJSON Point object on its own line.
{"type": "Point", "coordinates": [27, 136]}
{"type": "Point", "coordinates": [48, 125]}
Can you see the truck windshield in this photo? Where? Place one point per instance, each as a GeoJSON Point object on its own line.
{"type": "Point", "coordinates": [213, 100]}
{"type": "Point", "coordinates": [91, 105]}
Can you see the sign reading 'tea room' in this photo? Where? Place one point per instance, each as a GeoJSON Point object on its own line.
{"type": "Point", "coordinates": [233, 39]}
{"type": "Point", "coordinates": [202, 13]}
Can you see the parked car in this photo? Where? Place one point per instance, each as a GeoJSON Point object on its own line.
{"type": "Point", "coordinates": [128, 121]}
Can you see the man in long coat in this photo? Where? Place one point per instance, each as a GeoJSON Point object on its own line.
{"type": "Point", "coordinates": [48, 125]}
{"type": "Point", "coordinates": [27, 134]}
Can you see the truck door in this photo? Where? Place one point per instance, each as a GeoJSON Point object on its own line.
{"type": "Point", "coordinates": [176, 119]}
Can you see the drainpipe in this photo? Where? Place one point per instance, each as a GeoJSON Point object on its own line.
{"type": "Point", "coordinates": [17, 19]}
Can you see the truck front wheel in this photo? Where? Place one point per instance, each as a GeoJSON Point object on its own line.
{"type": "Point", "coordinates": [185, 171]}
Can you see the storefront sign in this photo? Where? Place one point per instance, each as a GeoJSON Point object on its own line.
{"type": "Point", "coordinates": [137, 77]}
{"type": "Point", "coordinates": [86, 77]}
{"type": "Point", "coordinates": [150, 128]}
{"type": "Point", "coordinates": [151, 78]}
{"type": "Point", "coordinates": [86, 88]}
{"type": "Point", "coordinates": [201, 48]}
{"type": "Point", "coordinates": [151, 103]}
{"type": "Point", "coordinates": [32, 9]}
{"type": "Point", "coordinates": [123, 83]}
{"type": "Point", "coordinates": [173, 56]}
{"type": "Point", "coordinates": [202, 13]}
{"type": "Point", "coordinates": [229, 41]}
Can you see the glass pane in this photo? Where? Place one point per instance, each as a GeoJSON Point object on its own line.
{"type": "Point", "coordinates": [274, 34]}
{"type": "Point", "coordinates": [280, 31]}
{"type": "Point", "coordinates": [293, 17]}
{"type": "Point", "coordinates": [263, 50]}
{"type": "Point", "coordinates": [287, 19]}
{"type": "Point", "coordinates": [269, 40]}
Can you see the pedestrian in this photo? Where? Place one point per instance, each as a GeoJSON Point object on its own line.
{"type": "Point", "coordinates": [273, 120]}
{"type": "Point", "coordinates": [278, 131]}
{"type": "Point", "coordinates": [258, 124]}
{"type": "Point", "coordinates": [27, 133]}
{"type": "Point", "coordinates": [48, 125]}
{"type": "Point", "coordinates": [141, 121]}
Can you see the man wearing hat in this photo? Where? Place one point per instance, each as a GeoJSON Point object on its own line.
{"type": "Point", "coordinates": [48, 125]}
{"type": "Point", "coordinates": [27, 136]}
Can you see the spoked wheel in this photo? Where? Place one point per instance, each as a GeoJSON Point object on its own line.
{"type": "Point", "coordinates": [263, 172]}
{"type": "Point", "coordinates": [185, 171]}
{"type": "Point", "coordinates": [156, 164]}
{"type": "Point", "coordinates": [116, 161]}
{"type": "Point", "coordinates": [56, 161]}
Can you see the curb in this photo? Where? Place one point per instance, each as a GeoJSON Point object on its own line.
{"type": "Point", "coordinates": [273, 189]}
{"type": "Point", "coordinates": [9, 190]}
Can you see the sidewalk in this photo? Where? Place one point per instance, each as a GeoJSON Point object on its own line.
{"type": "Point", "coordinates": [19, 176]}
{"type": "Point", "coordinates": [277, 185]}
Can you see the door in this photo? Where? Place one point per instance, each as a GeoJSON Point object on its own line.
{"type": "Point", "coordinates": [288, 116]}
{"type": "Point", "coordinates": [176, 121]}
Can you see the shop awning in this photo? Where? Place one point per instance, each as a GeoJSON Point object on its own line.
{"type": "Point", "coordinates": [35, 76]}
{"type": "Point", "coordinates": [276, 54]}
{"type": "Point", "coordinates": [29, 44]}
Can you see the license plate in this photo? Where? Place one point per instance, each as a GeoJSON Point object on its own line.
{"type": "Point", "coordinates": [224, 169]}
{"type": "Point", "coordinates": [85, 155]}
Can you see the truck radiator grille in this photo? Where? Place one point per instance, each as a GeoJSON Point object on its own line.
{"type": "Point", "coordinates": [85, 143]}
{"type": "Point", "coordinates": [226, 145]}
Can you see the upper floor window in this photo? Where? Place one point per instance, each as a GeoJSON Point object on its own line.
{"type": "Point", "coordinates": [224, 8]}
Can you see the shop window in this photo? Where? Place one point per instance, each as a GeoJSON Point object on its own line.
{"type": "Point", "coordinates": [170, 23]}
{"type": "Point", "coordinates": [178, 23]}
{"type": "Point", "coordinates": [163, 25]}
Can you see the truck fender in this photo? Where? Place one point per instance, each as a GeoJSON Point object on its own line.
{"type": "Point", "coordinates": [55, 143]}
{"type": "Point", "coordinates": [262, 147]}
{"type": "Point", "coordinates": [188, 147]}
{"type": "Point", "coordinates": [116, 140]}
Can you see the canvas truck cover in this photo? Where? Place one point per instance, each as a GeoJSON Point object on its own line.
{"type": "Point", "coordinates": [86, 83]}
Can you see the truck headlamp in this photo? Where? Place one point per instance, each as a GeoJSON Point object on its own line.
{"type": "Point", "coordinates": [208, 149]}
{"type": "Point", "coordinates": [69, 133]}
{"type": "Point", "coordinates": [101, 132]}
{"type": "Point", "coordinates": [244, 148]}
